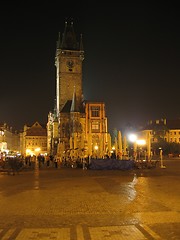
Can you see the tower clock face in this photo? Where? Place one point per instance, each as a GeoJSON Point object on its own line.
{"type": "Point", "coordinates": [70, 64]}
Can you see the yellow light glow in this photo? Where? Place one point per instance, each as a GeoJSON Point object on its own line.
{"type": "Point", "coordinates": [37, 149]}
{"type": "Point", "coordinates": [132, 138]}
{"type": "Point", "coordinates": [141, 142]}
{"type": "Point", "coordinates": [96, 147]}
{"type": "Point", "coordinates": [28, 151]}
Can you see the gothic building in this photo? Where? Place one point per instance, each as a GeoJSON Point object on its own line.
{"type": "Point", "coordinates": [77, 127]}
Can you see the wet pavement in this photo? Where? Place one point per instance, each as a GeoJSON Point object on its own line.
{"type": "Point", "coordinates": [77, 204]}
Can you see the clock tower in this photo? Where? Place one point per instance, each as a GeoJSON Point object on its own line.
{"type": "Point", "coordinates": [68, 62]}
{"type": "Point", "coordinates": [77, 128]}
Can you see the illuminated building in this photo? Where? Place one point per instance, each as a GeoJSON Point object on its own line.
{"type": "Point", "coordinates": [34, 140]}
{"type": "Point", "coordinates": [9, 139]}
{"type": "Point", "coordinates": [165, 129]}
{"type": "Point", "coordinates": [77, 127]}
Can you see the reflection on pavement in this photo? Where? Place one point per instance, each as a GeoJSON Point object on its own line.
{"type": "Point", "coordinates": [36, 175]}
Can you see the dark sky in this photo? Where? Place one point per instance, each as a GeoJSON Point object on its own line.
{"type": "Point", "coordinates": [132, 60]}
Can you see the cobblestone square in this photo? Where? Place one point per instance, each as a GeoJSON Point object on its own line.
{"type": "Point", "coordinates": [77, 204]}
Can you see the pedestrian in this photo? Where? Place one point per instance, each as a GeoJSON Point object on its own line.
{"type": "Point", "coordinates": [55, 162]}
{"type": "Point", "coordinates": [47, 160]}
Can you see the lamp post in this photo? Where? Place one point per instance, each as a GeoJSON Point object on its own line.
{"type": "Point", "coordinates": [133, 138]}
{"type": "Point", "coordinates": [140, 142]}
{"type": "Point", "coordinates": [120, 145]}
{"type": "Point", "coordinates": [148, 146]}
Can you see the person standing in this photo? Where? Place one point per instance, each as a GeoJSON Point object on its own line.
{"type": "Point", "coordinates": [55, 162]}
{"type": "Point", "coordinates": [47, 160]}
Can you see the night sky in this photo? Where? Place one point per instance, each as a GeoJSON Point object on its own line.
{"type": "Point", "coordinates": [132, 60]}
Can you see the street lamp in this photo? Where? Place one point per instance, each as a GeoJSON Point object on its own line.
{"type": "Point", "coordinates": [137, 142]}
{"type": "Point", "coordinates": [140, 142]}
{"type": "Point", "coordinates": [133, 139]}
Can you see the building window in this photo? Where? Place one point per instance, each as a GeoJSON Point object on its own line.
{"type": "Point", "coordinates": [95, 127]}
{"type": "Point", "coordinates": [95, 111]}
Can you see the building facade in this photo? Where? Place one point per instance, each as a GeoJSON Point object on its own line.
{"type": "Point", "coordinates": [33, 140]}
{"type": "Point", "coordinates": [9, 139]}
{"type": "Point", "coordinates": [165, 129]}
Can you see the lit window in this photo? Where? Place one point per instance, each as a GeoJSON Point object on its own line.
{"type": "Point", "coordinates": [95, 126]}
{"type": "Point", "coordinates": [95, 111]}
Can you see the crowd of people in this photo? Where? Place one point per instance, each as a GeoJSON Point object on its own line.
{"type": "Point", "coordinates": [49, 161]}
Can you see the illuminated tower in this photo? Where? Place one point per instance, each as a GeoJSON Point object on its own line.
{"type": "Point", "coordinates": [68, 62]}
{"type": "Point", "coordinates": [78, 127]}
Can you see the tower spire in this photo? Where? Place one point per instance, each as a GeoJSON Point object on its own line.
{"type": "Point", "coordinates": [81, 43]}
{"type": "Point", "coordinates": [74, 102]}
{"type": "Point", "coordinates": [58, 43]}
{"type": "Point", "coordinates": [69, 37]}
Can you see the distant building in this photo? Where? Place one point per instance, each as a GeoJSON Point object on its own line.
{"type": "Point", "coordinates": [9, 139]}
{"type": "Point", "coordinates": [33, 140]}
{"type": "Point", "coordinates": [166, 129]}
{"type": "Point", "coordinates": [77, 127]}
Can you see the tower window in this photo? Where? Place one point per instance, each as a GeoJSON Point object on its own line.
{"type": "Point", "coordinates": [95, 111]}
{"type": "Point", "coordinates": [95, 127]}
